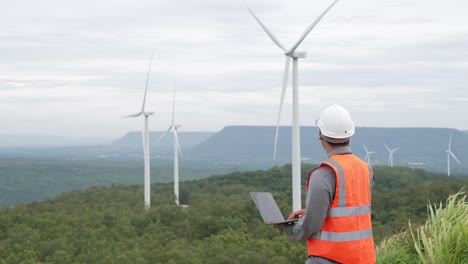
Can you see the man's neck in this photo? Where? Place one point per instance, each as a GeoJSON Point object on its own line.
{"type": "Point", "coordinates": [330, 148]}
{"type": "Point", "coordinates": [339, 150]}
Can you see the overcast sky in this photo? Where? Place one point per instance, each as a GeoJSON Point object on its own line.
{"type": "Point", "coordinates": [74, 68]}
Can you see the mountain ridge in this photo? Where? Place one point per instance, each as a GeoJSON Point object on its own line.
{"type": "Point", "coordinates": [253, 145]}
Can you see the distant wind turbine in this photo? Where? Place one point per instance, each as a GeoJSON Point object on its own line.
{"type": "Point", "coordinates": [449, 153]}
{"type": "Point", "coordinates": [177, 149]}
{"type": "Point", "coordinates": [390, 157]}
{"type": "Point", "coordinates": [367, 158]}
{"type": "Point", "coordinates": [295, 55]}
{"type": "Point", "coordinates": [146, 148]}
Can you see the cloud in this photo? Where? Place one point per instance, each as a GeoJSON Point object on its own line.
{"type": "Point", "coordinates": [77, 67]}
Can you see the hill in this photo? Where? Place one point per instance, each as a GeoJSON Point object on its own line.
{"type": "Point", "coordinates": [187, 140]}
{"type": "Point", "coordinates": [252, 147]}
{"type": "Point", "coordinates": [221, 224]}
{"type": "Point", "coordinates": [419, 147]}
{"type": "Point", "coordinates": [24, 181]}
{"type": "Point", "coordinates": [128, 146]}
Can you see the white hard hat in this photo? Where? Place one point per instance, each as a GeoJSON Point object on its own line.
{"type": "Point", "coordinates": [335, 124]}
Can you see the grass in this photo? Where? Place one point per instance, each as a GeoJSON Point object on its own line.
{"type": "Point", "coordinates": [442, 239]}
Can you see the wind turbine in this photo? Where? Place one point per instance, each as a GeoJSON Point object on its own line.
{"type": "Point", "coordinates": [145, 137]}
{"type": "Point", "coordinates": [390, 157]}
{"type": "Point", "coordinates": [367, 158]}
{"type": "Point", "coordinates": [295, 55]}
{"type": "Point", "coordinates": [177, 149]}
{"type": "Point", "coordinates": [449, 153]}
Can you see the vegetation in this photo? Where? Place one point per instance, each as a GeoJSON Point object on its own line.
{"type": "Point", "coordinates": [108, 224]}
{"type": "Point", "coordinates": [442, 239]}
{"type": "Point", "coordinates": [400, 194]}
{"type": "Point", "coordinates": [24, 181]}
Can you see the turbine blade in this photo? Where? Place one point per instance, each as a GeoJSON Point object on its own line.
{"type": "Point", "coordinates": [176, 139]}
{"type": "Point", "coordinates": [162, 135]}
{"type": "Point", "coordinates": [173, 103]}
{"type": "Point", "coordinates": [269, 33]}
{"type": "Point", "coordinates": [453, 155]}
{"type": "Point", "coordinates": [294, 47]}
{"type": "Point", "coordinates": [366, 149]}
{"type": "Point", "coordinates": [450, 143]}
{"type": "Point", "coordinates": [133, 115]}
{"type": "Point", "coordinates": [387, 148]}
{"type": "Point", "coordinates": [147, 80]}
{"type": "Point", "coordinates": [396, 149]}
{"type": "Point", "coordinates": [283, 92]}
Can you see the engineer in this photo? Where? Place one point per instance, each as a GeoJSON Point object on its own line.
{"type": "Point", "coordinates": [336, 221]}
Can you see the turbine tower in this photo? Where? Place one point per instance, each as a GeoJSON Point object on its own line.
{"type": "Point", "coordinates": [295, 55]}
{"type": "Point", "coordinates": [390, 157]}
{"type": "Point", "coordinates": [367, 158]}
{"type": "Point", "coordinates": [145, 137]}
{"type": "Point", "coordinates": [449, 153]}
{"type": "Point", "coordinates": [177, 149]}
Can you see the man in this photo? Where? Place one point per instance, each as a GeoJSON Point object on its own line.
{"type": "Point", "coordinates": [337, 220]}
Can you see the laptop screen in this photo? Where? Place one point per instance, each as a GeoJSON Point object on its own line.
{"type": "Point", "coordinates": [268, 208]}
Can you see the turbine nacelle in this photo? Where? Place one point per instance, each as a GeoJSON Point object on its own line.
{"type": "Point", "coordinates": [146, 114]}
{"type": "Point", "coordinates": [297, 54]}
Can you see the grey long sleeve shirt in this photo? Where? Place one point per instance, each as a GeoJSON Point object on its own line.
{"type": "Point", "coordinates": [319, 198]}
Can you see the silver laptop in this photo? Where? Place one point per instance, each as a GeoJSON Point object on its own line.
{"type": "Point", "coordinates": [268, 209]}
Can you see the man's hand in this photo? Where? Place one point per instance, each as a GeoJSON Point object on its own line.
{"type": "Point", "coordinates": [297, 214]}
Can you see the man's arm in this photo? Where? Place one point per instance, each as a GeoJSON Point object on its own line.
{"type": "Point", "coordinates": [319, 197]}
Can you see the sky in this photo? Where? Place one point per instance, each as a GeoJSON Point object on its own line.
{"type": "Point", "coordinates": [74, 68]}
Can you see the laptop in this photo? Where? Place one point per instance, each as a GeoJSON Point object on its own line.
{"type": "Point", "coordinates": [269, 210]}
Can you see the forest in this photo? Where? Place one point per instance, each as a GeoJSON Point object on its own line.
{"type": "Point", "coordinates": [108, 224]}
{"type": "Point", "coordinates": [24, 180]}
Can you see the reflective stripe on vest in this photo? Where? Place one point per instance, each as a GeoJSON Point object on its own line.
{"type": "Point", "coordinates": [343, 236]}
{"type": "Point", "coordinates": [350, 211]}
{"type": "Point", "coordinates": [342, 195]}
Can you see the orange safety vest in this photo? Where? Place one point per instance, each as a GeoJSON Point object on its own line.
{"type": "Point", "coordinates": [346, 234]}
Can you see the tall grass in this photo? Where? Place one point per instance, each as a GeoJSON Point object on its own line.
{"type": "Point", "coordinates": [442, 239]}
{"type": "Point", "coordinates": [396, 250]}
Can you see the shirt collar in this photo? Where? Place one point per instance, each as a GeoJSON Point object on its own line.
{"type": "Point", "coordinates": [340, 151]}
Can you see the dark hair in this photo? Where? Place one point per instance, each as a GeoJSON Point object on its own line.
{"type": "Point", "coordinates": [340, 144]}
{"type": "Point", "coordinates": [343, 144]}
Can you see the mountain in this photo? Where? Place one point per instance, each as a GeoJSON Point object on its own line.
{"type": "Point", "coordinates": [419, 147]}
{"type": "Point", "coordinates": [128, 146]}
{"type": "Point", "coordinates": [186, 139]}
{"type": "Point", "coordinates": [251, 147]}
